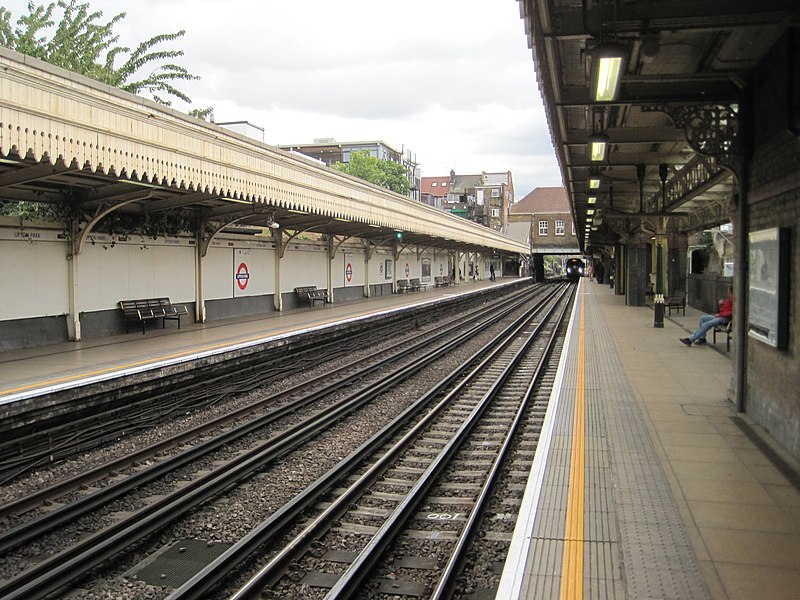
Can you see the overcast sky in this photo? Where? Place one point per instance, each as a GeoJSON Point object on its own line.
{"type": "Point", "coordinates": [451, 80]}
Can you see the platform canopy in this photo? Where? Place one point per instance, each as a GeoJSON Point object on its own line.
{"type": "Point", "coordinates": [661, 84]}
{"type": "Point", "coordinates": [90, 148]}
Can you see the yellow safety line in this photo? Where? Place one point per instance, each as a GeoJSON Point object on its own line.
{"type": "Point", "coordinates": [163, 357]}
{"type": "Point", "coordinates": [572, 560]}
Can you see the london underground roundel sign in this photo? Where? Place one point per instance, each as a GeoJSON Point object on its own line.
{"type": "Point", "coordinates": [242, 276]}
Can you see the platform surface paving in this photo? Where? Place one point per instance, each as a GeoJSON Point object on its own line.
{"type": "Point", "coordinates": [674, 500]}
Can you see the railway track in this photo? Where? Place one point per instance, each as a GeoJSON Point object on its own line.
{"type": "Point", "coordinates": [325, 383]}
{"type": "Point", "coordinates": [36, 439]}
{"type": "Point", "coordinates": [442, 472]}
{"type": "Point", "coordinates": [55, 572]}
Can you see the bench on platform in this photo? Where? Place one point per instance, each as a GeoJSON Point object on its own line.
{"type": "Point", "coordinates": [403, 286]}
{"type": "Point", "coordinates": [443, 281]}
{"type": "Point", "coordinates": [150, 309]}
{"type": "Point", "coordinates": [417, 285]}
{"type": "Point", "coordinates": [311, 294]}
{"type": "Point", "coordinates": [676, 302]}
{"type": "Point", "coordinates": [726, 329]}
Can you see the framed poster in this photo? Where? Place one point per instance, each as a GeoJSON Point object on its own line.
{"type": "Point", "coordinates": [768, 287]}
{"type": "Point", "coordinates": [387, 269]}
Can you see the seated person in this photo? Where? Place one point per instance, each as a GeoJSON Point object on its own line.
{"type": "Point", "coordinates": [708, 321]}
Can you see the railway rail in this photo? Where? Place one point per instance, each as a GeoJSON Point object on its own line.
{"type": "Point", "coordinates": [37, 438]}
{"type": "Point", "coordinates": [57, 571]}
{"type": "Point", "coordinates": [432, 466]}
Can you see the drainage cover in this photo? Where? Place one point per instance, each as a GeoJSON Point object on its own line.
{"type": "Point", "coordinates": [402, 588]}
{"type": "Point", "coordinates": [174, 565]}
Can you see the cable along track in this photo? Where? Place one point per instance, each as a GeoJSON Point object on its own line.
{"type": "Point", "coordinates": [411, 500]}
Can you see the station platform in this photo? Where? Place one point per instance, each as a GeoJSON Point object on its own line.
{"type": "Point", "coordinates": [31, 372]}
{"type": "Point", "coordinates": [650, 485]}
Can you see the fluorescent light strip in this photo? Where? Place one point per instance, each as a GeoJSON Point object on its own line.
{"type": "Point", "coordinates": [608, 72]}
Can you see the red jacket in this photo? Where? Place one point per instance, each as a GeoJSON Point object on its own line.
{"type": "Point", "coordinates": [726, 308]}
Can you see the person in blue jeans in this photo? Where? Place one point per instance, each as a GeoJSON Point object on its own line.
{"type": "Point", "coordinates": [708, 321]}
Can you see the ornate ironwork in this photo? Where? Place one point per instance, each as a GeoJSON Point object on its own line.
{"type": "Point", "coordinates": [693, 178]}
{"type": "Point", "coordinates": [712, 130]}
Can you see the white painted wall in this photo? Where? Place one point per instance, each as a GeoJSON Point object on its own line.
{"type": "Point", "coordinates": [217, 280]}
{"type": "Point", "coordinates": [33, 278]}
{"type": "Point", "coordinates": [130, 270]}
{"type": "Point", "coordinates": [377, 268]}
{"type": "Point", "coordinates": [259, 266]}
{"type": "Point", "coordinates": [301, 267]}
{"type": "Point", "coordinates": [356, 261]}
{"type": "Point", "coordinates": [34, 272]}
{"type": "Point", "coordinates": [407, 266]}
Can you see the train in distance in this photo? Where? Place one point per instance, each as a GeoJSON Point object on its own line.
{"type": "Point", "coordinates": [575, 269]}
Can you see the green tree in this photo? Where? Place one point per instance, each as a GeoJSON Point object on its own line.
{"type": "Point", "coordinates": [81, 42]}
{"type": "Point", "coordinates": [384, 173]}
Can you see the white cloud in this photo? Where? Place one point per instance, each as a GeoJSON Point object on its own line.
{"type": "Point", "coordinates": [451, 80]}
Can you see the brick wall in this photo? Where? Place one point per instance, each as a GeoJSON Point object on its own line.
{"type": "Point", "coordinates": [773, 197]}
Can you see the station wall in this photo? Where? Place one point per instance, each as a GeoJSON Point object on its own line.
{"type": "Point", "coordinates": [772, 375]}
{"type": "Point", "coordinates": [33, 276]}
{"type": "Point", "coordinates": [238, 278]}
{"type": "Point", "coordinates": [127, 271]}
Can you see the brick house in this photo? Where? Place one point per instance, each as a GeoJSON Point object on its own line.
{"type": "Point", "coordinates": [543, 218]}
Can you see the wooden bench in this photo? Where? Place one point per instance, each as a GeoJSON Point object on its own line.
{"type": "Point", "coordinates": [150, 309]}
{"type": "Point", "coordinates": [403, 286]}
{"type": "Point", "coordinates": [676, 302]}
{"type": "Point", "coordinates": [311, 294]}
{"type": "Point", "coordinates": [727, 329]}
{"type": "Point", "coordinates": [417, 285]}
{"type": "Point", "coordinates": [439, 281]}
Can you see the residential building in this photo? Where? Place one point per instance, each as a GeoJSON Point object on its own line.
{"type": "Point", "coordinates": [484, 198]}
{"type": "Point", "coordinates": [329, 151]}
{"type": "Point", "coordinates": [543, 219]}
{"type": "Point", "coordinates": [434, 190]}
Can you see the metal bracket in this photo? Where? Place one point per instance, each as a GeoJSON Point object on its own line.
{"type": "Point", "coordinates": [712, 130]}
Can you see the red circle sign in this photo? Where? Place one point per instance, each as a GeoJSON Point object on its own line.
{"type": "Point", "coordinates": [408, 269]}
{"type": "Point", "coordinates": [348, 272]}
{"type": "Point", "coordinates": [242, 276]}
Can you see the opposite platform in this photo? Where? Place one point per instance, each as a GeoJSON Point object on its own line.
{"type": "Point", "coordinates": [37, 371]}
{"type": "Point", "coordinates": [650, 487]}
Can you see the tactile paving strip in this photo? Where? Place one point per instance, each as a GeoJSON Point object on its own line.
{"type": "Point", "coordinates": [636, 544]}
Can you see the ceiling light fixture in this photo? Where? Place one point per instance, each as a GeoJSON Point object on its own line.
{"type": "Point", "coordinates": [271, 224]}
{"type": "Point", "coordinates": [592, 199]}
{"type": "Point", "coordinates": [598, 147]}
{"type": "Point", "coordinates": [594, 182]}
{"type": "Point", "coordinates": [608, 65]}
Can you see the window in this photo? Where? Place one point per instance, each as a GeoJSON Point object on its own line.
{"type": "Point", "coordinates": [542, 227]}
{"type": "Point", "coordinates": [496, 213]}
{"type": "Point", "coordinates": [495, 193]}
{"type": "Point", "coordinates": [480, 198]}
{"type": "Point", "coordinates": [433, 184]}
{"type": "Point", "coordinates": [559, 227]}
